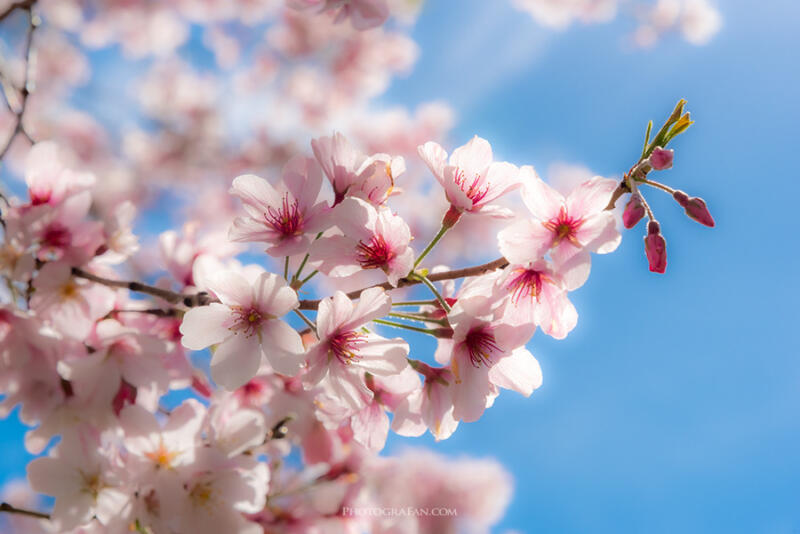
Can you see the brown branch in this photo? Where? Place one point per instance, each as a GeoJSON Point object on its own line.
{"type": "Point", "coordinates": [198, 299]}
{"type": "Point", "coordinates": [5, 507]}
{"type": "Point", "coordinates": [33, 23]}
{"type": "Point", "coordinates": [21, 4]}
{"type": "Point", "coordinates": [477, 270]}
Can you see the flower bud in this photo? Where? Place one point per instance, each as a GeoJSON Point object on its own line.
{"type": "Point", "coordinates": [634, 211]}
{"type": "Point", "coordinates": [661, 158]}
{"type": "Point", "coordinates": [695, 208]}
{"type": "Point", "coordinates": [655, 247]}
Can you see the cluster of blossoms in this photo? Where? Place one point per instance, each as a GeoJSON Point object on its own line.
{"type": "Point", "coordinates": [311, 348]}
{"type": "Point", "coordinates": [86, 361]}
{"type": "Point", "coordinates": [697, 21]}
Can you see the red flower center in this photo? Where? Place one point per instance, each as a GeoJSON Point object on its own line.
{"type": "Point", "coordinates": [564, 227]}
{"type": "Point", "coordinates": [480, 343]}
{"type": "Point", "coordinates": [57, 236]}
{"type": "Point", "coordinates": [374, 254]}
{"type": "Point", "coordinates": [344, 346]}
{"type": "Point", "coordinates": [526, 283]}
{"type": "Point", "coordinates": [472, 189]}
{"type": "Point", "coordinates": [247, 320]}
{"type": "Point", "coordinates": [287, 219]}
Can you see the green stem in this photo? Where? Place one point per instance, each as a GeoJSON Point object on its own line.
{"type": "Point", "coordinates": [415, 303]}
{"type": "Point", "coordinates": [406, 327]}
{"type": "Point", "coordinates": [286, 268]}
{"type": "Point", "coordinates": [419, 318]}
{"type": "Point", "coordinates": [303, 263]}
{"type": "Point", "coordinates": [430, 286]}
{"type": "Point", "coordinates": [443, 230]}
{"type": "Point", "coordinates": [307, 278]}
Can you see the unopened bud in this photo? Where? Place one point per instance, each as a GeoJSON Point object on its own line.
{"type": "Point", "coordinates": [655, 247]}
{"type": "Point", "coordinates": [634, 211]}
{"type": "Point", "coordinates": [661, 158]}
{"type": "Point", "coordinates": [695, 208]}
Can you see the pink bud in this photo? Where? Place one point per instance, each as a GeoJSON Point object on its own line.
{"type": "Point", "coordinates": [634, 211]}
{"type": "Point", "coordinates": [655, 247]}
{"type": "Point", "coordinates": [698, 211]}
{"type": "Point", "coordinates": [695, 208]}
{"type": "Point", "coordinates": [661, 158]}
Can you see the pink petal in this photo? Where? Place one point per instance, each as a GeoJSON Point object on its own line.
{"type": "Point", "coordinates": [518, 371]}
{"type": "Point", "coordinates": [205, 325]}
{"type": "Point", "coordinates": [383, 357]}
{"type": "Point", "coordinates": [231, 288]}
{"type": "Point", "coordinates": [524, 241]}
{"type": "Point", "coordinates": [573, 264]}
{"type": "Point", "coordinates": [435, 157]}
{"type": "Point", "coordinates": [473, 158]}
{"type": "Point", "coordinates": [282, 347]}
{"type": "Point", "coordinates": [273, 296]}
{"type": "Point", "coordinates": [373, 303]}
{"type": "Point", "coordinates": [236, 361]}
{"type": "Point", "coordinates": [542, 200]}
{"type": "Point", "coordinates": [591, 197]}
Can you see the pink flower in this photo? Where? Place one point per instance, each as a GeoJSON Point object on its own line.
{"type": "Point", "coordinates": [70, 305]}
{"type": "Point", "coordinates": [536, 295]}
{"type": "Point", "coordinates": [480, 343]}
{"type": "Point", "coordinates": [371, 239]}
{"type": "Point", "coordinates": [428, 408]}
{"type": "Point", "coordinates": [370, 425]}
{"type": "Point", "coordinates": [284, 215]}
{"type": "Point", "coordinates": [79, 474]}
{"type": "Point", "coordinates": [49, 180]}
{"type": "Point", "coordinates": [471, 179]}
{"type": "Point", "coordinates": [245, 325]}
{"type": "Point", "coordinates": [569, 228]}
{"type": "Point", "coordinates": [154, 447]}
{"type": "Point", "coordinates": [352, 173]}
{"type": "Point", "coordinates": [345, 351]}
{"type": "Point", "coordinates": [363, 14]}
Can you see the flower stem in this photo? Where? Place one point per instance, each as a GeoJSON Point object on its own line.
{"type": "Point", "coordinates": [658, 185]}
{"type": "Point", "coordinates": [406, 327]}
{"type": "Point", "coordinates": [286, 269]}
{"type": "Point", "coordinates": [303, 263]}
{"type": "Point", "coordinates": [419, 318]}
{"type": "Point", "coordinates": [430, 286]}
{"type": "Point", "coordinates": [443, 230]}
{"type": "Point", "coordinates": [414, 303]}
{"type": "Point", "coordinates": [307, 278]}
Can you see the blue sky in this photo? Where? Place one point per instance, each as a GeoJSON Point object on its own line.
{"type": "Point", "coordinates": [673, 406]}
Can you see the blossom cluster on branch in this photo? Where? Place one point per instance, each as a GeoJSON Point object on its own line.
{"type": "Point", "coordinates": [336, 290]}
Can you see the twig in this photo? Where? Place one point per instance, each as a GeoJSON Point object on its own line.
{"type": "Point", "coordinates": [5, 507]}
{"type": "Point", "coordinates": [198, 299]}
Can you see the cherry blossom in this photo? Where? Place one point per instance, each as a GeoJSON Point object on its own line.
{"type": "Point", "coordinates": [245, 326]}
{"type": "Point", "coordinates": [345, 351]}
{"type": "Point", "coordinates": [470, 177]}
{"type": "Point", "coordinates": [283, 217]}
{"type": "Point", "coordinates": [569, 228]}
{"type": "Point", "coordinates": [370, 239]}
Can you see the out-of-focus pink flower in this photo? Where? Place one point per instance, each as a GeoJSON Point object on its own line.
{"type": "Point", "coordinates": [370, 239]}
{"type": "Point", "coordinates": [569, 228]}
{"type": "Point", "coordinates": [243, 326]}
{"type": "Point", "coordinates": [363, 14]}
{"type": "Point", "coordinates": [470, 177]}
{"type": "Point", "coordinates": [79, 474]}
{"type": "Point", "coordinates": [49, 180]}
{"type": "Point", "coordinates": [344, 351]}
{"type": "Point", "coordinates": [284, 216]}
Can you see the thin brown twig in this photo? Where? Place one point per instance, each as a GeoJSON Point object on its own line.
{"type": "Point", "coordinates": [33, 23]}
{"type": "Point", "coordinates": [5, 507]}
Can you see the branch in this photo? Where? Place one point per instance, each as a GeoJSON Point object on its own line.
{"type": "Point", "coordinates": [198, 299]}
{"type": "Point", "coordinates": [21, 4]}
{"type": "Point", "coordinates": [477, 270]}
{"type": "Point", "coordinates": [5, 507]}
{"type": "Point", "coordinates": [33, 23]}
